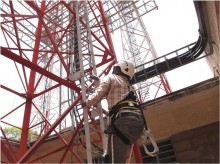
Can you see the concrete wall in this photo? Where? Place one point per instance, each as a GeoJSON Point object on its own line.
{"type": "Point", "coordinates": [200, 145]}
{"type": "Point", "coordinates": [211, 9]}
{"type": "Point", "coordinates": [183, 110]}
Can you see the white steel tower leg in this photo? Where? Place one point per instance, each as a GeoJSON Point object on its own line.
{"type": "Point", "coordinates": [100, 112]}
{"type": "Point", "coordinates": [85, 113]}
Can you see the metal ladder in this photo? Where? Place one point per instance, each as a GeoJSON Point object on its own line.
{"type": "Point", "coordinates": [79, 64]}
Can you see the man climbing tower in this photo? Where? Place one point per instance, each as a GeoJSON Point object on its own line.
{"type": "Point", "coordinates": [127, 122]}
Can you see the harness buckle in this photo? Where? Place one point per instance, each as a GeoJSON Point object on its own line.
{"type": "Point", "coordinates": [110, 130]}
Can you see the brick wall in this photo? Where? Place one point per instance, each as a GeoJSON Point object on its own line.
{"type": "Point", "coordinates": [199, 145]}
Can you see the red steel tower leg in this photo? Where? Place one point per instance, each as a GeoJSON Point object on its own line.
{"type": "Point", "coordinates": [30, 92]}
{"type": "Point", "coordinates": [137, 153]}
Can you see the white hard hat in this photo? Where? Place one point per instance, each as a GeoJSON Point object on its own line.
{"type": "Point", "coordinates": [127, 67]}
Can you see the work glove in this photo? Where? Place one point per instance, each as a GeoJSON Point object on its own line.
{"type": "Point", "coordinates": [84, 104]}
{"type": "Point", "coordinates": [94, 77]}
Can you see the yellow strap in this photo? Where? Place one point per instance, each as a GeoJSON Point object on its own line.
{"type": "Point", "coordinates": [126, 101]}
{"type": "Point", "coordinates": [129, 108]}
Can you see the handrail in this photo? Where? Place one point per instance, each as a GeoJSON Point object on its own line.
{"type": "Point", "coordinates": [168, 64]}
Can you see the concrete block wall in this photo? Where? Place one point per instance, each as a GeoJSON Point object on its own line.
{"type": "Point", "coordinates": [199, 145]}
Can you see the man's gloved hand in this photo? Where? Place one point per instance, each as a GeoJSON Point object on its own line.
{"type": "Point", "coordinates": [84, 105]}
{"type": "Point", "coordinates": [94, 77]}
{"type": "Point", "coordinates": [110, 130]}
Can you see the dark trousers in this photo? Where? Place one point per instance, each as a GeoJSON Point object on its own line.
{"type": "Point", "coordinates": [132, 128]}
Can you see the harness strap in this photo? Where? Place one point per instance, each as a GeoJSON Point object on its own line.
{"type": "Point", "coordinates": [125, 104]}
{"type": "Point", "coordinates": [120, 135]}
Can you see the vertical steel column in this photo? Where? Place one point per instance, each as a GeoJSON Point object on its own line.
{"type": "Point", "coordinates": [93, 63]}
{"type": "Point", "coordinates": [137, 153]}
{"type": "Point", "coordinates": [82, 80]}
{"type": "Point", "coordinates": [28, 106]}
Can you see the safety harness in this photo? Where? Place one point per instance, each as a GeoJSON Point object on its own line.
{"type": "Point", "coordinates": [128, 103]}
